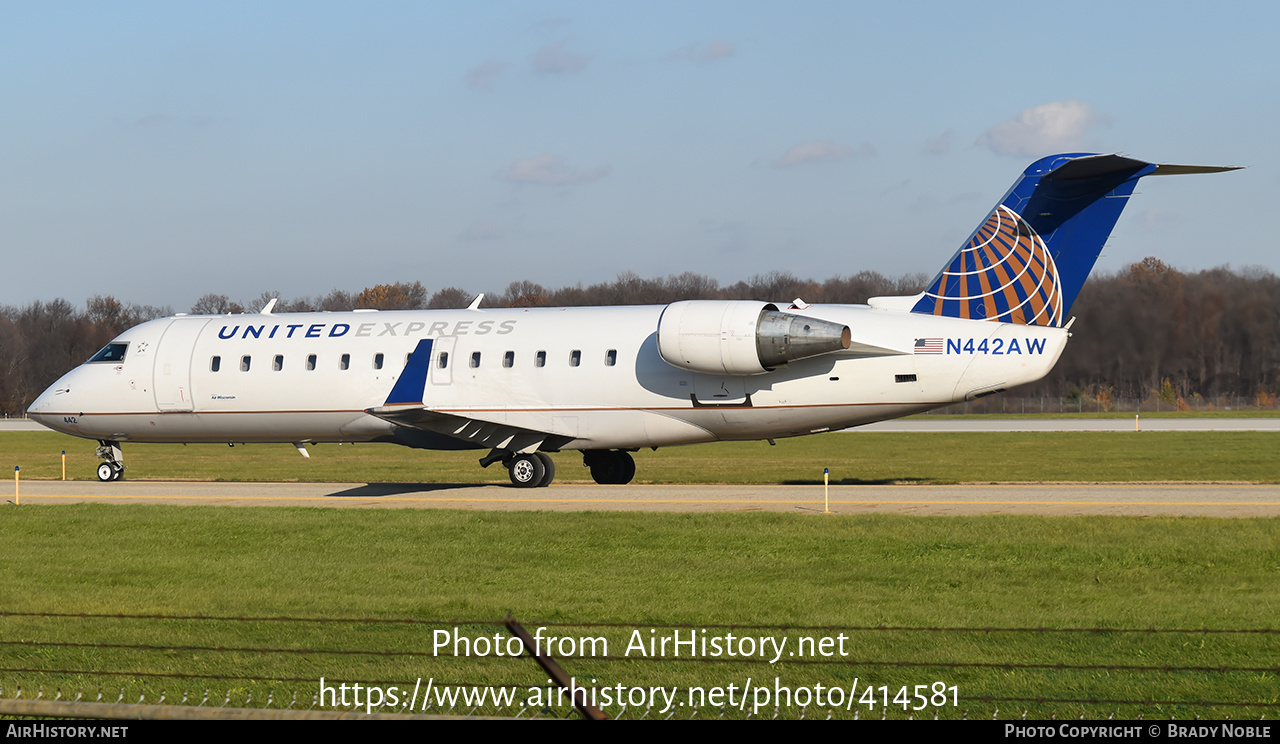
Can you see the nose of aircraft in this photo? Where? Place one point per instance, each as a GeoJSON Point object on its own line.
{"type": "Point", "coordinates": [56, 405]}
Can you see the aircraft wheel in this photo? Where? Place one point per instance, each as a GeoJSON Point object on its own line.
{"type": "Point", "coordinates": [106, 472]}
{"type": "Point", "coordinates": [549, 466]}
{"type": "Point", "coordinates": [118, 469]}
{"type": "Point", "coordinates": [613, 468]}
{"type": "Point", "coordinates": [527, 471]}
{"type": "Point", "coordinates": [626, 468]}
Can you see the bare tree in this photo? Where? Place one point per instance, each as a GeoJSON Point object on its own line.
{"type": "Point", "coordinates": [215, 304]}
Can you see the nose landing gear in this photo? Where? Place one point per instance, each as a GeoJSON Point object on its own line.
{"type": "Point", "coordinates": [112, 467]}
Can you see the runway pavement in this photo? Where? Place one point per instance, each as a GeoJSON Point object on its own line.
{"type": "Point", "coordinates": [1211, 500]}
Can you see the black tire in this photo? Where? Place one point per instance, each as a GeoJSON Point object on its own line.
{"type": "Point", "coordinates": [118, 471]}
{"type": "Point", "coordinates": [526, 471]}
{"type": "Point", "coordinates": [626, 468]}
{"type": "Point", "coordinates": [549, 466]}
{"type": "Point", "coordinates": [613, 468]}
{"type": "Point", "coordinates": [106, 472]}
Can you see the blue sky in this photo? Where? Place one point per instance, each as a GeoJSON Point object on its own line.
{"type": "Point", "coordinates": [160, 151]}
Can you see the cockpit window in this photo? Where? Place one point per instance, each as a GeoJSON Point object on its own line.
{"type": "Point", "coordinates": [110, 353]}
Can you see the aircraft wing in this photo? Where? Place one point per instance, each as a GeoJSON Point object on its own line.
{"type": "Point", "coordinates": [404, 407]}
{"type": "Point", "coordinates": [472, 429]}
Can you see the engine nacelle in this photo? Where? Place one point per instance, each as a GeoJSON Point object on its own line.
{"type": "Point", "coordinates": [741, 337]}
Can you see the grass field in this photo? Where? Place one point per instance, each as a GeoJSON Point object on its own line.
{"type": "Point", "coordinates": [862, 457]}
{"type": "Point", "coordinates": [645, 571]}
{"type": "Point", "coordinates": [649, 571]}
{"type": "Point", "coordinates": [1239, 413]}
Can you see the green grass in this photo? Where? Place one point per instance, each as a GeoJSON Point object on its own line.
{"type": "Point", "coordinates": [644, 570]}
{"type": "Point", "coordinates": [1241, 413]}
{"type": "Point", "coordinates": [862, 457]}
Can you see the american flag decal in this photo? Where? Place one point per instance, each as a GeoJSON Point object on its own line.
{"type": "Point", "coordinates": [928, 346]}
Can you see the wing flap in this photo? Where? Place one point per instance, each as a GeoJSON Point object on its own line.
{"type": "Point", "coordinates": [473, 429]}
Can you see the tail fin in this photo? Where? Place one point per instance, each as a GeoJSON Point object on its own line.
{"type": "Point", "coordinates": [1026, 263]}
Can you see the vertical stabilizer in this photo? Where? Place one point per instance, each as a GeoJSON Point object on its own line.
{"type": "Point", "coordinates": [1028, 260]}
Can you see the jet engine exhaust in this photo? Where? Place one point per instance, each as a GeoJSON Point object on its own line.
{"type": "Point", "coordinates": [783, 337]}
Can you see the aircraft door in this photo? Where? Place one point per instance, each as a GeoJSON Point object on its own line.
{"type": "Point", "coordinates": [442, 360]}
{"type": "Point", "coordinates": [172, 371]}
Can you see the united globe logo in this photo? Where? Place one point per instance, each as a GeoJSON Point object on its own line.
{"type": "Point", "coordinates": [1004, 274]}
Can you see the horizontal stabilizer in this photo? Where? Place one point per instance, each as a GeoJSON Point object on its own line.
{"type": "Point", "coordinates": [1182, 170]}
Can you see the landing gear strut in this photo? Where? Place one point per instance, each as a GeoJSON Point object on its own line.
{"type": "Point", "coordinates": [112, 467]}
{"type": "Point", "coordinates": [610, 466]}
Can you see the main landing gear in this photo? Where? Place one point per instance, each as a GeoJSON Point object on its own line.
{"type": "Point", "coordinates": [527, 470]}
{"type": "Point", "coordinates": [112, 467]}
{"type": "Point", "coordinates": [534, 470]}
{"type": "Point", "coordinates": [610, 466]}
{"type": "Point", "coordinates": [537, 469]}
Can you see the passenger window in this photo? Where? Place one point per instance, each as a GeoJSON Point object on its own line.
{"type": "Point", "coordinates": [509, 359]}
{"type": "Point", "coordinates": [244, 363]}
{"type": "Point", "coordinates": [443, 362]}
{"type": "Point", "coordinates": [215, 364]}
{"type": "Point", "coordinates": [475, 359]}
{"type": "Point", "coordinates": [575, 358]}
{"type": "Point", "coordinates": [311, 362]}
{"type": "Point", "coordinates": [345, 362]}
{"type": "Point", "coordinates": [540, 360]}
{"type": "Point", "coordinates": [377, 361]}
{"type": "Point", "coordinates": [278, 363]}
{"type": "Point", "coordinates": [610, 357]}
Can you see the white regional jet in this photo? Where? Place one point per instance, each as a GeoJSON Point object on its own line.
{"type": "Point", "coordinates": [608, 381]}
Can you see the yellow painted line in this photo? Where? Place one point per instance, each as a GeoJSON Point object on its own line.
{"type": "Point", "coordinates": [868, 502]}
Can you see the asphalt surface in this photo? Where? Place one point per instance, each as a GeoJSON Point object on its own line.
{"type": "Point", "coordinates": [1206, 500]}
{"type": "Point", "coordinates": [1215, 500]}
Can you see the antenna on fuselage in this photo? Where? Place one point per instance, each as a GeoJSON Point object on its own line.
{"type": "Point", "coordinates": [475, 304]}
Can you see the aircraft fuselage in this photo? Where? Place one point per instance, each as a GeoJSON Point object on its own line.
{"type": "Point", "coordinates": [591, 377]}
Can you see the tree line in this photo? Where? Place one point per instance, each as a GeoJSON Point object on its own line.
{"type": "Point", "coordinates": [1147, 329]}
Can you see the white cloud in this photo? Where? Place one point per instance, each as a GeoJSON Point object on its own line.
{"type": "Point", "coordinates": [482, 76]}
{"type": "Point", "coordinates": [700, 53]}
{"type": "Point", "coordinates": [481, 231]}
{"type": "Point", "coordinates": [816, 151]}
{"type": "Point", "coordinates": [550, 171]}
{"type": "Point", "coordinates": [153, 120]}
{"type": "Point", "coordinates": [1158, 218]}
{"type": "Point", "coordinates": [552, 24]}
{"type": "Point", "coordinates": [1043, 130]}
{"type": "Point", "coordinates": [939, 145]}
{"type": "Point", "coordinates": [557, 59]}
{"type": "Point", "coordinates": [718, 49]}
